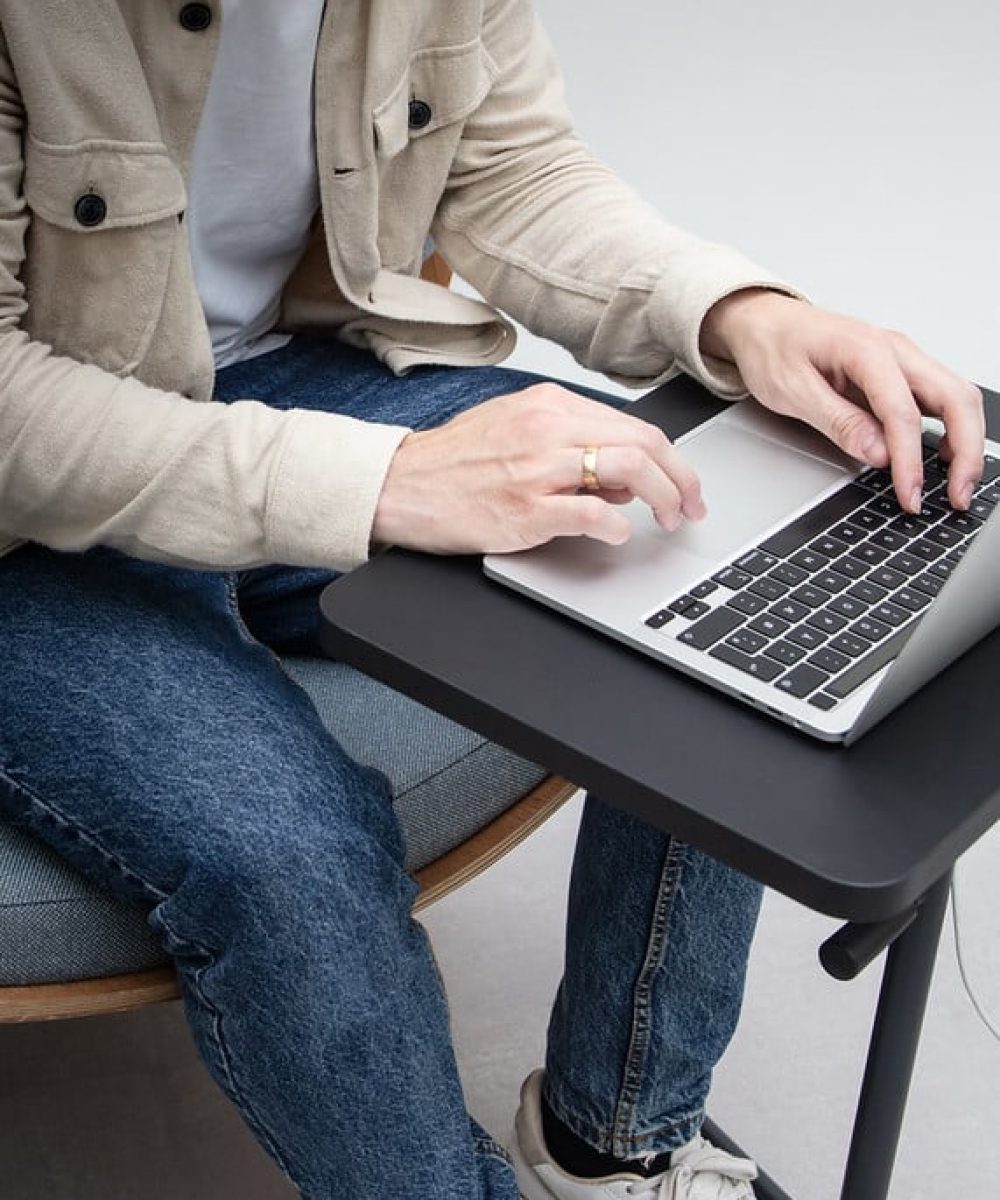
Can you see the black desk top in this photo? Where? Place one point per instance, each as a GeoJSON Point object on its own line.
{"type": "Point", "coordinates": [858, 833]}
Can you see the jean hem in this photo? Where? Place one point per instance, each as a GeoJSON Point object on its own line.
{"type": "Point", "coordinates": [661, 1140]}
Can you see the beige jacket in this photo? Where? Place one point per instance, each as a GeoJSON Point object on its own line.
{"type": "Point", "coordinates": [108, 433]}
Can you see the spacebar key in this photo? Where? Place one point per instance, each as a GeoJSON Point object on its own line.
{"type": "Point", "coordinates": [816, 521]}
{"type": "Point", "coordinates": [865, 668]}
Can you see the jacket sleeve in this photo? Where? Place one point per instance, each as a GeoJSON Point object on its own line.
{"type": "Point", "coordinates": [88, 458]}
{"type": "Point", "coordinates": [551, 236]}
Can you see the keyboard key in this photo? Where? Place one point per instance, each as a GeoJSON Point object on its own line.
{"type": "Point", "coordinates": [908, 564]}
{"type": "Point", "coordinates": [808, 560]}
{"type": "Point", "coordinates": [846, 532]}
{"type": "Point", "coordinates": [703, 589]}
{"type": "Point", "coordinates": [785, 652]}
{"type": "Point", "coordinates": [698, 609]}
{"type": "Point", "coordinates": [813, 597]}
{"type": "Point", "coordinates": [847, 643]}
{"type": "Point", "coordinates": [910, 598]}
{"type": "Point", "coordinates": [826, 621]}
{"type": "Point", "coordinates": [731, 578]}
{"type": "Point", "coordinates": [943, 535]}
{"type": "Point", "coordinates": [980, 508]}
{"type": "Point", "coordinates": [931, 511]}
{"type": "Point", "coordinates": [991, 495]}
{"type": "Point", "coordinates": [829, 660]}
{"type": "Point", "coordinates": [822, 701]}
{"type": "Point", "coordinates": [871, 630]}
{"type": "Point", "coordinates": [802, 680]}
{"type": "Point", "coordinates": [866, 667]}
{"type": "Point", "coordinates": [849, 566]}
{"type": "Point", "coordinates": [963, 522]}
{"type": "Point", "coordinates": [711, 629]}
{"type": "Point", "coordinates": [659, 619]}
{"type": "Point", "coordinates": [756, 562]}
{"type": "Point", "coordinates": [814, 522]}
{"type": "Point", "coordinates": [868, 592]}
{"type": "Point", "coordinates": [875, 478]}
{"type": "Point", "coordinates": [866, 552]}
{"type": "Point", "coordinates": [830, 581]}
{"type": "Point", "coordinates": [991, 469]}
{"type": "Point", "coordinates": [829, 547]}
{"type": "Point", "coordinates": [790, 610]}
{"type": "Point", "coordinates": [847, 606]}
{"type": "Point", "coordinates": [769, 588]}
{"type": "Point", "coordinates": [921, 548]}
{"type": "Point", "coordinates": [942, 568]}
{"type": "Point", "coordinates": [769, 625]}
{"type": "Point", "coordinates": [908, 525]}
{"type": "Point", "coordinates": [682, 604]}
{"type": "Point", "coordinates": [745, 602]}
{"type": "Point", "coordinates": [786, 573]}
{"type": "Point", "coordinates": [762, 668]}
{"type": "Point", "coordinates": [887, 506]}
{"type": "Point", "coordinates": [891, 614]}
{"type": "Point", "coordinates": [931, 584]}
{"type": "Point", "coordinates": [807, 637]}
{"type": "Point", "coordinates": [747, 641]}
{"type": "Point", "coordinates": [889, 539]}
{"type": "Point", "coordinates": [887, 577]}
{"type": "Point", "coordinates": [866, 519]}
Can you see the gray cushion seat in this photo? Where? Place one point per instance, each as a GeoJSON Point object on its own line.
{"type": "Point", "coordinates": [447, 783]}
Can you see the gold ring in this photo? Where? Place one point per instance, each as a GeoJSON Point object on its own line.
{"type": "Point", "coordinates": [588, 475]}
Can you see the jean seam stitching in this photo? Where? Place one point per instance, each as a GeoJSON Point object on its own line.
{"type": "Point", "coordinates": [224, 1058]}
{"type": "Point", "coordinates": [85, 835]}
{"type": "Point", "coordinates": [670, 877]}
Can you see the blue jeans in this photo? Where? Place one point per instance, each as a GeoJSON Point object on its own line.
{"type": "Point", "coordinates": [149, 735]}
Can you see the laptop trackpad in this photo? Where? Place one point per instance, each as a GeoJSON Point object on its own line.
{"type": "Point", "coordinates": [750, 483]}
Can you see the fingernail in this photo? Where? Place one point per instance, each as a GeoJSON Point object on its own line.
{"type": "Point", "coordinates": [965, 495]}
{"type": "Point", "coordinates": [916, 500]}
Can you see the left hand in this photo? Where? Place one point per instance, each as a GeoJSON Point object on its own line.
{"type": "Point", "coordinates": [864, 388]}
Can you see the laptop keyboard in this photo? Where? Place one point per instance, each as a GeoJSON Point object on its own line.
{"type": "Point", "coordinates": [826, 602]}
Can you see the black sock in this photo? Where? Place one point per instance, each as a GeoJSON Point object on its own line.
{"type": "Point", "coordinates": [577, 1158]}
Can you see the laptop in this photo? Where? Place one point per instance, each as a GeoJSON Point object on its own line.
{"type": "Point", "coordinates": [807, 592]}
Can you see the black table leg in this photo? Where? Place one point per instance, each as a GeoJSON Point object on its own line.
{"type": "Point", "coordinates": [892, 1050]}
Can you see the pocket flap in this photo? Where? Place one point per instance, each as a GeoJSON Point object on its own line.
{"type": "Point", "coordinates": [138, 185]}
{"type": "Point", "coordinates": [449, 82]}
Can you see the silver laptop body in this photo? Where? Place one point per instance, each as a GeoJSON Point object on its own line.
{"type": "Point", "coordinates": [828, 653]}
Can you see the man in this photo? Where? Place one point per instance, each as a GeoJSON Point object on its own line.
{"type": "Point", "coordinates": [212, 219]}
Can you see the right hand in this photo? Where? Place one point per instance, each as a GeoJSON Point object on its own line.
{"type": "Point", "coordinates": [505, 475]}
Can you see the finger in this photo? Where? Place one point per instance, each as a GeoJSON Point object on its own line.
{"type": "Point", "coordinates": [878, 373]}
{"type": "Point", "coordinates": [855, 430]}
{"type": "Point", "coordinates": [626, 468]}
{"type": "Point", "coordinates": [583, 515]}
{"type": "Point", "coordinates": [959, 405]}
{"type": "Point", "coordinates": [590, 423]}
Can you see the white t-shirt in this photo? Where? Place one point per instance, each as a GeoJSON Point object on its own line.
{"type": "Point", "coordinates": [253, 190]}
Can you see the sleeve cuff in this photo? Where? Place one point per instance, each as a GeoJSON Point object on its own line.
{"type": "Point", "coordinates": [326, 485]}
{"type": "Point", "coordinates": [680, 303]}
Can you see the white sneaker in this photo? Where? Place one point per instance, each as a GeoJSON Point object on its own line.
{"type": "Point", "coordinates": [699, 1171]}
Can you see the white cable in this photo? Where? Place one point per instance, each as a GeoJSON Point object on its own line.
{"type": "Point", "coordinates": [969, 990]}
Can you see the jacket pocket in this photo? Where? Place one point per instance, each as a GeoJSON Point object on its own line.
{"type": "Point", "coordinates": [105, 225]}
{"type": "Point", "coordinates": [440, 87]}
{"type": "Point", "coordinates": [417, 130]}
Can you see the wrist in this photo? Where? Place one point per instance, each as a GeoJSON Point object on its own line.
{"type": "Point", "coordinates": [728, 321]}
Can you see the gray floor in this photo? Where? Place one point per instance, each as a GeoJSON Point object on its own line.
{"type": "Point", "coordinates": [840, 146]}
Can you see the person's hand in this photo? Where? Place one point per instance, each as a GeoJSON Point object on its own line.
{"type": "Point", "coordinates": [507, 475]}
{"type": "Point", "coordinates": [864, 388]}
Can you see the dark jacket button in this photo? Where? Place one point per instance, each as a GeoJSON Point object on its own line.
{"type": "Point", "coordinates": [196, 18]}
{"type": "Point", "coordinates": [91, 210]}
{"type": "Point", "coordinates": [420, 114]}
